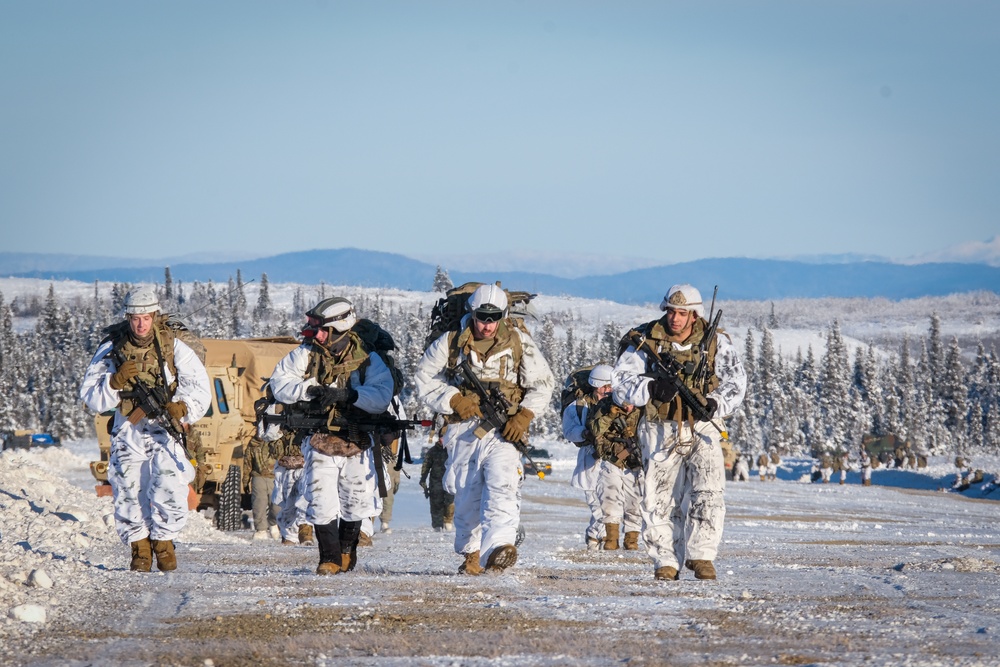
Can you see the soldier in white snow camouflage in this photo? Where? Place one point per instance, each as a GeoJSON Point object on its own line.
{"type": "Point", "coordinates": [484, 470]}
{"type": "Point", "coordinates": [148, 469]}
{"type": "Point", "coordinates": [683, 508]}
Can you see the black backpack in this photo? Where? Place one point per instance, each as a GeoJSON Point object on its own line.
{"type": "Point", "coordinates": [576, 386]}
{"type": "Point", "coordinates": [377, 340]}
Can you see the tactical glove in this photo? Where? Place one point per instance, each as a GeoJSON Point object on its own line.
{"type": "Point", "coordinates": [662, 390]}
{"type": "Point", "coordinates": [128, 370]}
{"type": "Point", "coordinates": [517, 426]}
{"type": "Point", "coordinates": [330, 396]}
{"type": "Point", "coordinates": [466, 407]}
{"type": "Point", "coordinates": [176, 409]}
{"type": "Point", "coordinates": [427, 492]}
{"type": "Point", "coordinates": [711, 406]}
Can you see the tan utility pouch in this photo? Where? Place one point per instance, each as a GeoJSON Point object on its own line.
{"type": "Point", "coordinates": [333, 445]}
{"type": "Point", "coordinates": [292, 462]}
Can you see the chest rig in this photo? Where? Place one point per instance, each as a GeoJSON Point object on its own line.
{"type": "Point", "coordinates": [689, 355]}
{"type": "Point", "coordinates": [336, 371]}
{"type": "Point", "coordinates": [153, 360]}
{"type": "Point", "coordinates": [506, 347]}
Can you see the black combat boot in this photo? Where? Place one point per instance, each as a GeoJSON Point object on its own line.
{"type": "Point", "coordinates": [350, 533]}
{"type": "Point", "coordinates": [329, 548]}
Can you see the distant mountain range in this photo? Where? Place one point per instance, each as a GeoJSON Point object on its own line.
{"type": "Point", "coordinates": [737, 278]}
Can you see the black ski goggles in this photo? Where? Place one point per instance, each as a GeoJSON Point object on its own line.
{"type": "Point", "coordinates": [488, 316]}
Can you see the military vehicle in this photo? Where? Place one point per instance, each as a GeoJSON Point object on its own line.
{"type": "Point", "coordinates": [883, 448]}
{"type": "Point", "coordinates": [236, 371]}
{"type": "Point", "coordinates": [25, 438]}
{"type": "Point", "coordinates": [537, 461]}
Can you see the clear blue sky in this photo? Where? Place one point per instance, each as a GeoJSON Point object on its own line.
{"type": "Point", "coordinates": [673, 130]}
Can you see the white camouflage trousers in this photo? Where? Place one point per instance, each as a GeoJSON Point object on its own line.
{"type": "Point", "coordinates": [620, 494]}
{"type": "Point", "coordinates": [287, 491]}
{"type": "Point", "coordinates": [585, 475]}
{"type": "Point", "coordinates": [338, 487]}
{"type": "Point", "coordinates": [149, 478]}
{"type": "Point", "coordinates": [486, 478]}
{"type": "Point", "coordinates": [595, 529]}
{"type": "Point", "coordinates": [683, 507]}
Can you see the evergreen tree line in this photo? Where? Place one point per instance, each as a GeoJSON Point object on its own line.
{"type": "Point", "coordinates": [923, 393]}
{"type": "Point", "coordinates": [801, 405]}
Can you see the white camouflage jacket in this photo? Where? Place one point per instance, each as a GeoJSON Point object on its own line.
{"type": "Point", "coordinates": [435, 388]}
{"type": "Point", "coordinates": [193, 387]}
{"type": "Point", "coordinates": [289, 384]}
{"type": "Point", "coordinates": [728, 368]}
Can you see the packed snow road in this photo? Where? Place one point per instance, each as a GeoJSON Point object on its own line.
{"type": "Point", "coordinates": [808, 574]}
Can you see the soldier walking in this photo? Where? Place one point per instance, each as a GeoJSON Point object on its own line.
{"type": "Point", "coordinates": [432, 482]}
{"type": "Point", "coordinates": [332, 370]}
{"type": "Point", "coordinates": [588, 465]}
{"type": "Point", "coordinates": [484, 468]}
{"type": "Point", "coordinates": [149, 470]}
{"type": "Point", "coordinates": [614, 423]}
{"type": "Point", "coordinates": [683, 507]}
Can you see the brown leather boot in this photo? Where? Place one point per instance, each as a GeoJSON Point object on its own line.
{"type": "Point", "coordinates": [703, 569]}
{"type": "Point", "coordinates": [328, 568]}
{"type": "Point", "coordinates": [632, 540]}
{"type": "Point", "coordinates": [666, 573]}
{"type": "Point", "coordinates": [348, 560]}
{"type": "Point", "coordinates": [166, 560]}
{"type": "Point", "coordinates": [365, 540]}
{"type": "Point", "coordinates": [142, 555]}
{"type": "Point", "coordinates": [471, 564]}
{"type": "Point", "coordinates": [611, 537]}
{"type": "Point", "coordinates": [305, 534]}
{"type": "Point", "coordinates": [501, 558]}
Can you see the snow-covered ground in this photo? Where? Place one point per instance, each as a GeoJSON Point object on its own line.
{"type": "Point", "coordinates": [904, 572]}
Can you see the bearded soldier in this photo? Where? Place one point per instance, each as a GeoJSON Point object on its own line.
{"type": "Point", "coordinates": [683, 506]}
{"type": "Point", "coordinates": [484, 470]}
{"type": "Point", "coordinates": [588, 466]}
{"type": "Point", "coordinates": [345, 384]}
{"type": "Point", "coordinates": [148, 469]}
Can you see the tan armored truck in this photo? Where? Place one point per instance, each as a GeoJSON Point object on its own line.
{"type": "Point", "coordinates": [236, 371]}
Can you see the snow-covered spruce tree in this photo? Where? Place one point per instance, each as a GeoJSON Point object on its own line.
{"type": "Point", "coordinates": [261, 324]}
{"type": "Point", "coordinates": [168, 285]}
{"type": "Point", "coordinates": [991, 402]}
{"type": "Point", "coordinates": [745, 426]}
{"type": "Point", "coordinates": [834, 387]}
{"type": "Point", "coordinates": [610, 340]}
{"type": "Point", "coordinates": [769, 397]}
{"type": "Point", "coordinates": [953, 392]}
{"type": "Point", "coordinates": [442, 283]}
{"type": "Point", "coordinates": [935, 349]}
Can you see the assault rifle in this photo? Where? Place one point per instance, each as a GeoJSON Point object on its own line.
{"type": "Point", "coordinates": [311, 417]}
{"type": "Point", "coordinates": [496, 411]}
{"type": "Point", "coordinates": [630, 443]}
{"type": "Point", "coordinates": [665, 366]}
{"type": "Point", "coordinates": [151, 403]}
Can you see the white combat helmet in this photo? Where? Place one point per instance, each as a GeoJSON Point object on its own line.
{"type": "Point", "coordinates": [335, 312]}
{"type": "Point", "coordinates": [489, 301]}
{"type": "Point", "coordinates": [600, 376]}
{"type": "Point", "coordinates": [684, 297]}
{"type": "Point", "coordinates": [618, 396]}
{"type": "Point", "coordinates": [142, 300]}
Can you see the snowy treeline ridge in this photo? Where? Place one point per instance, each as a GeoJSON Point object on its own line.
{"type": "Point", "coordinates": [822, 372]}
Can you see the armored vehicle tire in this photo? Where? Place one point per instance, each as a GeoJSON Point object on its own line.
{"type": "Point", "coordinates": [230, 513]}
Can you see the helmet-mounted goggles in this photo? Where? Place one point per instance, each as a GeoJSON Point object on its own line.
{"type": "Point", "coordinates": [314, 322]}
